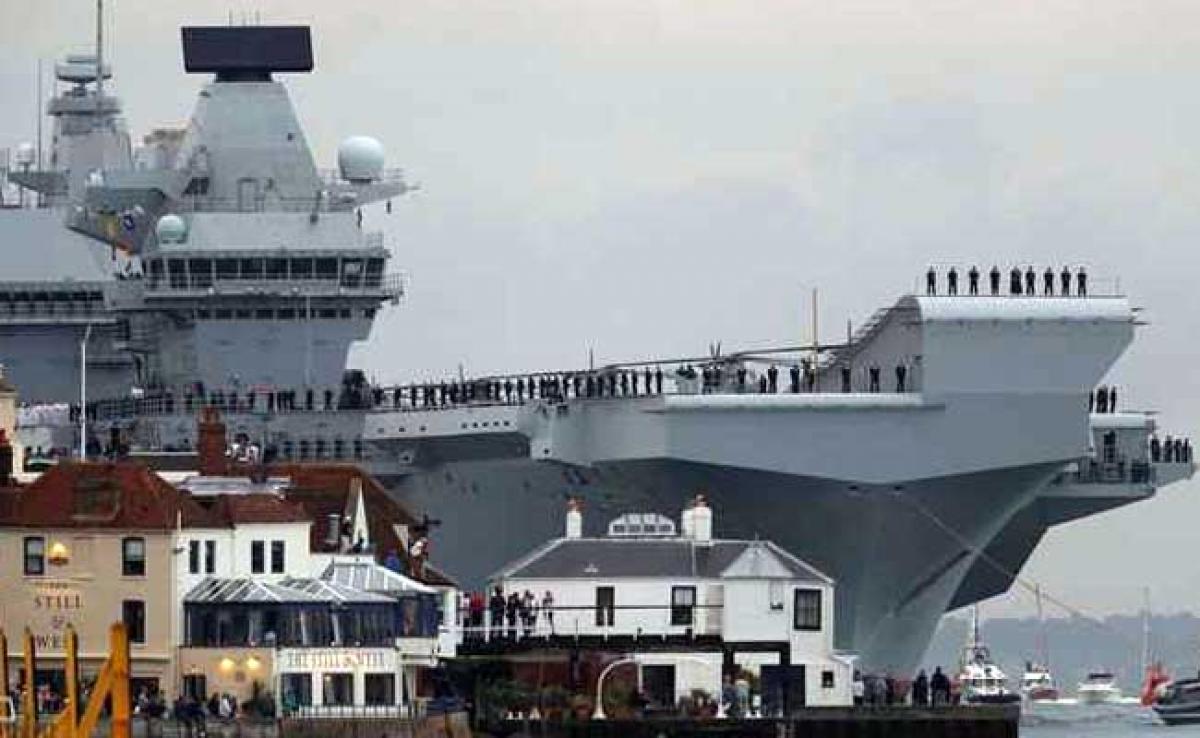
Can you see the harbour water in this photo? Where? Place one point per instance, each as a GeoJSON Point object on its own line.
{"type": "Point", "coordinates": [1069, 720]}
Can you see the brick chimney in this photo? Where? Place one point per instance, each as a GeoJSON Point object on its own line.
{"type": "Point", "coordinates": [211, 444]}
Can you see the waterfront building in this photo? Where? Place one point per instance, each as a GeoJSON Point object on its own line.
{"type": "Point", "coordinates": [88, 545]}
{"type": "Point", "coordinates": [691, 611]}
{"type": "Point", "coordinates": [245, 580]}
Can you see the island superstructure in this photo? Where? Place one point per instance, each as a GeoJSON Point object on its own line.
{"type": "Point", "coordinates": [219, 267]}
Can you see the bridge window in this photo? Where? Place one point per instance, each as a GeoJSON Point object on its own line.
{"type": "Point", "coordinates": [252, 268]}
{"type": "Point", "coordinates": [201, 272]}
{"type": "Point", "coordinates": [374, 275]}
{"type": "Point", "coordinates": [327, 269]}
{"type": "Point", "coordinates": [302, 268]}
{"type": "Point", "coordinates": [177, 271]}
{"type": "Point", "coordinates": [352, 272]}
{"type": "Point", "coordinates": [277, 269]}
{"type": "Point", "coordinates": [227, 268]}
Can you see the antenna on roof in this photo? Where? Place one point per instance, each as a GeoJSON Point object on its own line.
{"type": "Point", "coordinates": [99, 60]}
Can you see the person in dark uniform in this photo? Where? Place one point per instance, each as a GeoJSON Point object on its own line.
{"type": "Point", "coordinates": [994, 278]}
{"type": "Point", "coordinates": [901, 374]}
{"type": "Point", "coordinates": [762, 385]}
{"type": "Point", "coordinates": [308, 399]}
{"type": "Point", "coordinates": [741, 378]}
{"type": "Point", "coordinates": [973, 280]}
{"type": "Point", "coordinates": [520, 389]}
{"type": "Point", "coordinates": [773, 379]}
{"type": "Point", "coordinates": [795, 372]}
{"type": "Point", "coordinates": [931, 282]}
{"type": "Point", "coordinates": [1065, 282]}
{"type": "Point", "coordinates": [612, 385]}
{"type": "Point", "coordinates": [591, 386]}
{"type": "Point", "coordinates": [1014, 281]}
{"type": "Point", "coordinates": [1030, 281]}
{"type": "Point", "coordinates": [873, 378]}
{"type": "Point", "coordinates": [1048, 282]}
{"type": "Point", "coordinates": [649, 377]}
{"type": "Point", "coordinates": [845, 379]}
{"type": "Point", "coordinates": [1112, 399]}
{"type": "Point", "coordinates": [633, 381]}
{"type": "Point", "coordinates": [658, 381]}
{"type": "Point", "coordinates": [1102, 400]}
{"type": "Point", "coordinates": [952, 281]}
{"type": "Point", "coordinates": [624, 384]}
{"type": "Point", "coordinates": [1081, 283]}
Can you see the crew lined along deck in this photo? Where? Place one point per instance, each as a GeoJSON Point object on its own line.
{"type": "Point", "coordinates": [720, 376]}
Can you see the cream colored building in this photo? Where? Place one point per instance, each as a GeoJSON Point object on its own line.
{"type": "Point", "coordinates": [88, 545]}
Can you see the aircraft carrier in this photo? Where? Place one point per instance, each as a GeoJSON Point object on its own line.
{"type": "Point", "coordinates": [218, 265]}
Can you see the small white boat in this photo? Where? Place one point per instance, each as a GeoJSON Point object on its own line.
{"type": "Point", "coordinates": [980, 680]}
{"type": "Point", "coordinates": [1099, 688]}
{"type": "Point", "coordinates": [1037, 684]}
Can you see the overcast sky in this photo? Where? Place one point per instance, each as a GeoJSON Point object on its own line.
{"type": "Point", "coordinates": [645, 177]}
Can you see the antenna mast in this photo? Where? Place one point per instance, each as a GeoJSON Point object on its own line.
{"type": "Point", "coordinates": [99, 61]}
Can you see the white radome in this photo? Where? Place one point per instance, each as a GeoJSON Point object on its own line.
{"type": "Point", "coordinates": [360, 159]}
{"type": "Point", "coordinates": [170, 229]}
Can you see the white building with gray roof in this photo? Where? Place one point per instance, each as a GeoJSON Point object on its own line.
{"type": "Point", "coordinates": [647, 587]}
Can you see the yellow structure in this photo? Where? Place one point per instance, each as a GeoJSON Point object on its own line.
{"type": "Point", "coordinates": [112, 682]}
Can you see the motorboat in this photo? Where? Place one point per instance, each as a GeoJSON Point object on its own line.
{"type": "Point", "coordinates": [1099, 688]}
{"type": "Point", "coordinates": [1037, 684]}
{"type": "Point", "coordinates": [980, 680]}
{"type": "Point", "coordinates": [1179, 702]}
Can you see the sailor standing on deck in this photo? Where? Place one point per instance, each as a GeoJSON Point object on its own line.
{"type": "Point", "coordinates": [952, 281]}
{"type": "Point", "coordinates": [1030, 281]}
{"type": "Point", "coordinates": [1081, 281]}
{"type": "Point", "coordinates": [1065, 282]}
{"type": "Point", "coordinates": [1048, 282]}
{"type": "Point", "coordinates": [1014, 281]}
{"type": "Point", "coordinates": [931, 282]}
{"type": "Point", "coordinates": [994, 277]}
{"type": "Point", "coordinates": [973, 280]}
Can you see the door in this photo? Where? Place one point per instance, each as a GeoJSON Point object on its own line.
{"type": "Point", "coordinates": [658, 685]}
{"type": "Point", "coordinates": [782, 690]}
{"type": "Point", "coordinates": [605, 606]}
{"type": "Point", "coordinates": [248, 196]}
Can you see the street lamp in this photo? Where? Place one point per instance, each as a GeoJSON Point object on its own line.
{"type": "Point", "coordinates": [87, 333]}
